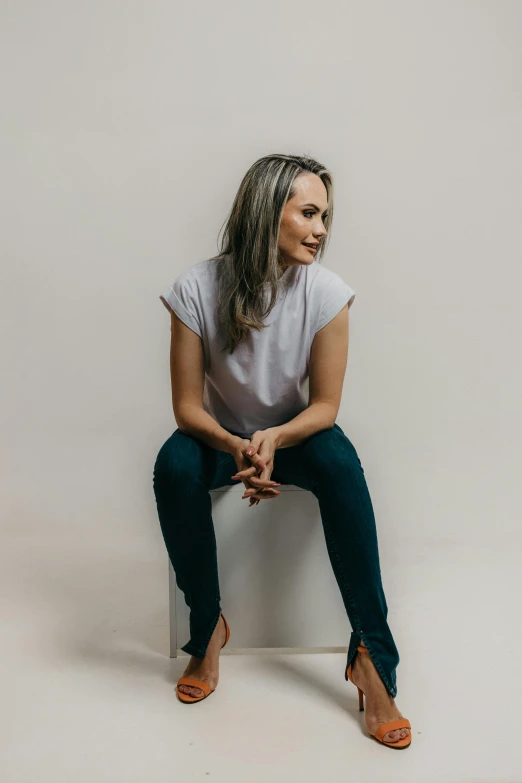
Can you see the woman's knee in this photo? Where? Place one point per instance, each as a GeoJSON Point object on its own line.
{"type": "Point", "coordinates": [336, 456]}
{"type": "Point", "coordinates": [179, 459]}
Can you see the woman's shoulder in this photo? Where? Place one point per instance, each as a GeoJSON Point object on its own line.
{"type": "Point", "coordinates": [191, 292]}
{"type": "Point", "coordinates": [198, 281]}
{"type": "Point", "coordinates": [323, 274]}
{"type": "Point", "coordinates": [322, 280]}
{"type": "Point", "coordinates": [329, 291]}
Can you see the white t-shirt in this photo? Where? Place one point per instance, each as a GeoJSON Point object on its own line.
{"type": "Point", "coordinates": [264, 382]}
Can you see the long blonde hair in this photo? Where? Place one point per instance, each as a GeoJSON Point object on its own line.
{"type": "Point", "coordinates": [249, 257]}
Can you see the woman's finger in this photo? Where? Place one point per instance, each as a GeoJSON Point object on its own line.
{"type": "Point", "coordinates": [258, 466]}
{"type": "Point", "coordinates": [258, 462]}
{"type": "Point", "coordinates": [255, 499]}
{"type": "Point", "coordinates": [245, 473]}
{"type": "Point", "coordinates": [266, 492]}
{"type": "Point", "coordinates": [259, 482]}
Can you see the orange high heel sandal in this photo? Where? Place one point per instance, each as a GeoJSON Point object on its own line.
{"type": "Point", "coordinates": [400, 723]}
{"type": "Point", "coordinates": [205, 687]}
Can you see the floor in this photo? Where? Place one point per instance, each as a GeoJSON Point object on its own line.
{"type": "Point", "coordinates": [88, 689]}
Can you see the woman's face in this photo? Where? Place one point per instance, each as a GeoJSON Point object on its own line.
{"type": "Point", "coordinates": [302, 221]}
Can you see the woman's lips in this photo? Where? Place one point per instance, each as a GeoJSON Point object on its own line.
{"type": "Point", "coordinates": [311, 249]}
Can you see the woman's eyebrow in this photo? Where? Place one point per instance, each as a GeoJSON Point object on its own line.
{"type": "Point", "coordinates": [309, 204]}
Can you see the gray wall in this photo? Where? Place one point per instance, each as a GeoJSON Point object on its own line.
{"type": "Point", "coordinates": [126, 129]}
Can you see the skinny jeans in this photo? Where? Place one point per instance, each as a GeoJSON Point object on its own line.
{"type": "Point", "coordinates": [327, 465]}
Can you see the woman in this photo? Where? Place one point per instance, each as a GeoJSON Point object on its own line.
{"type": "Point", "coordinates": [260, 394]}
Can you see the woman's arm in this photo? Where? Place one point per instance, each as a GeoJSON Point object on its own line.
{"type": "Point", "coordinates": [327, 368]}
{"type": "Point", "coordinates": [187, 375]}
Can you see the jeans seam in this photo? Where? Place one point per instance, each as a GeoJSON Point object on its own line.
{"type": "Point", "coordinates": [379, 668]}
{"type": "Point", "coordinates": [207, 642]}
{"type": "Point", "coordinates": [347, 588]}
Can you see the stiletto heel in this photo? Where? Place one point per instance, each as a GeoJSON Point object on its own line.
{"type": "Point", "coordinates": [400, 723]}
{"type": "Point", "coordinates": [204, 686]}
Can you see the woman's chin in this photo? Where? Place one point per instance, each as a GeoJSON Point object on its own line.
{"type": "Point", "coordinates": [300, 259]}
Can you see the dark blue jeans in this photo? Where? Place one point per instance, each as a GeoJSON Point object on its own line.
{"type": "Point", "coordinates": [327, 464]}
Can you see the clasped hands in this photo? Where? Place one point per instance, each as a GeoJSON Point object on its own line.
{"type": "Point", "coordinates": [255, 463]}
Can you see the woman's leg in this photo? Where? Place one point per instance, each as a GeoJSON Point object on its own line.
{"type": "Point", "coordinates": [184, 472]}
{"type": "Point", "coordinates": [328, 465]}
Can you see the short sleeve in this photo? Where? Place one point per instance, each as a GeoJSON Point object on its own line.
{"type": "Point", "coordinates": [182, 298]}
{"type": "Point", "coordinates": [332, 296]}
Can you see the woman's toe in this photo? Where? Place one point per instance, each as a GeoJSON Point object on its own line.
{"type": "Point", "coordinates": [392, 736]}
{"type": "Point", "coordinates": [190, 690]}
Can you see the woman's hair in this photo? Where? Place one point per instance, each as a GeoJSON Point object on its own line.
{"type": "Point", "coordinates": [249, 257]}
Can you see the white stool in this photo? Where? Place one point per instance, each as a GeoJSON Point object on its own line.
{"type": "Point", "coordinates": [277, 585]}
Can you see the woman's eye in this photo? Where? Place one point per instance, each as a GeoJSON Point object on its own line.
{"type": "Point", "coordinates": [311, 212]}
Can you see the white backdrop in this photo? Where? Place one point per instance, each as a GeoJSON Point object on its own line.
{"type": "Point", "coordinates": [124, 141]}
{"type": "Point", "coordinates": [126, 130]}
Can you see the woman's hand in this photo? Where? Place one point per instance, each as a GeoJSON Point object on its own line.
{"type": "Point", "coordinates": [246, 472]}
{"type": "Point", "coordinates": [259, 450]}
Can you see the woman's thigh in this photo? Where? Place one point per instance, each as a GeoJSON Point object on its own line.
{"type": "Point", "coordinates": [326, 455]}
{"type": "Point", "coordinates": [182, 458]}
{"type": "Point", "coordinates": [322, 456]}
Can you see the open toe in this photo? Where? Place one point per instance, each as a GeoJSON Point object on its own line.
{"type": "Point", "coordinates": [393, 725]}
{"type": "Point", "coordinates": [191, 690]}
{"type": "Point", "coordinates": [185, 697]}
